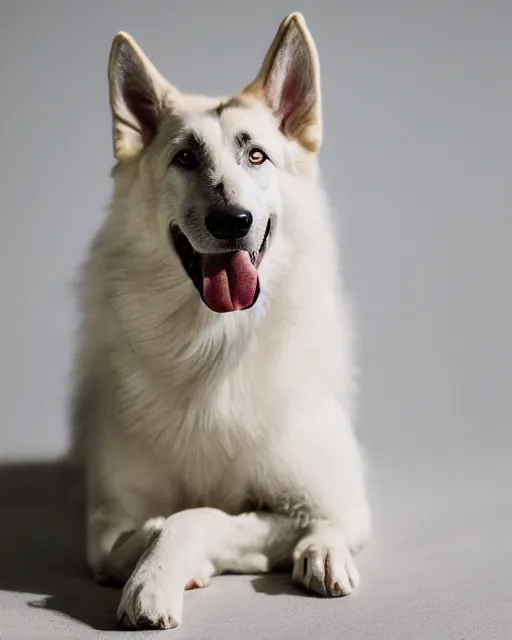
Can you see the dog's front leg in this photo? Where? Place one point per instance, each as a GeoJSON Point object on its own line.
{"type": "Point", "coordinates": [191, 543]}
{"type": "Point", "coordinates": [322, 481]}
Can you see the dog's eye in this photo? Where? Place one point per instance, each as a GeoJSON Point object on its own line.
{"type": "Point", "coordinates": [186, 158]}
{"type": "Point", "coordinates": [257, 157]}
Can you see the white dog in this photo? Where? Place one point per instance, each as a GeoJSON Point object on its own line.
{"type": "Point", "coordinates": [212, 402]}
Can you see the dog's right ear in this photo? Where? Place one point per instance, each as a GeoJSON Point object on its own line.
{"type": "Point", "coordinates": [138, 96]}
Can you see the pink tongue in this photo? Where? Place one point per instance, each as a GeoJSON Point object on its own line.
{"type": "Point", "coordinates": [230, 281]}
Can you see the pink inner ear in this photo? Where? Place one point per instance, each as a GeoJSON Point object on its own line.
{"type": "Point", "coordinates": [293, 84]}
{"type": "Point", "coordinates": [291, 93]}
{"type": "Point", "coordinates": [143, 107]}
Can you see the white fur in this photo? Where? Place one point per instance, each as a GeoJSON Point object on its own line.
{"type": "Point", "coordinates": [217, 442]}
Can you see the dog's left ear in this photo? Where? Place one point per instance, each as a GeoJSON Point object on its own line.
{"type": "Point", "coordinates": [289, 82]}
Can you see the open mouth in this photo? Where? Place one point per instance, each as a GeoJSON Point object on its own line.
{"type": "Point", "coordinates": [225, 281]}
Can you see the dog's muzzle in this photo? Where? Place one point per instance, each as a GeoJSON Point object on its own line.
{"type": "Point", "coordinates": [225, 281]}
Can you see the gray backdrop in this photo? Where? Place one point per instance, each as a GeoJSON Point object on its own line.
{"type": "Point", "coordinates": [417, 158]}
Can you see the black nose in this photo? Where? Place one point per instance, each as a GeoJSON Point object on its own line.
{"type": "Point", "coordinates": [228, 222]}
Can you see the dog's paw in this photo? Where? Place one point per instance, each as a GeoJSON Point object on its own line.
{"type": "Point", "coordinates": [202, 578]}
{"type": "Point", "coordinates": [150, 604]}
{"type": "Point", "coordinates": [326, 570]}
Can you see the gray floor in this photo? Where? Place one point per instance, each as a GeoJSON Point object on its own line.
{"type": "Point", "coordinates": [439, 566]}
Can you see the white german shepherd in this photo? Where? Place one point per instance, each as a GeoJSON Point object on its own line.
{"type": "Point", "coordinates": [214, 378]}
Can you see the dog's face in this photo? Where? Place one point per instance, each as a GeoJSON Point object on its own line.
{"type": "Point", "coordinates": [214, 169]}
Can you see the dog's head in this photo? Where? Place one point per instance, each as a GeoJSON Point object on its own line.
{"type": "Point", "coordinates": [215, 170]}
